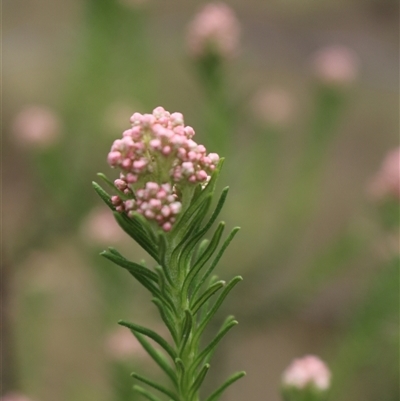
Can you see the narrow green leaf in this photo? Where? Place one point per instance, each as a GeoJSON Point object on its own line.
{"type": "Point", "coordinates": [151, 334]}
{"type": "Point", "coordinates": [211, 347]}
{"type": "Point", "coordinates": [187, 244]}
{"type": "Point", "coordinates": [217, 304]}
{"type": "Point", "coordinates": [217, 210]}
{"type": "Point", "coordinates": [130, 266]}
{"type": "Point", "coordinates": [217, 393]}
{"type": "Point", "coordinates": [216, 259]}
{"type": "Point", "coordinates": [162, 252]}
{"type": "Point", "coordinates": [158, 358]}
{"type": "Point", "coordinates": [148, 284]}
{"type": "Point", "coordinates": [209, 189]}
{"type": "Point", "coordinates": [111, 185]}
{"type": "Point", "coordinates": [137, 233]}
{"type": "Point", "coordinates": [201, 248]}
{"type": "Point", "coordinates": [198, 381]}
{"type": "Point", "coordinates": [187, 327]}
{"type": "Point", "coordinates": [167, 318]}
{"type": "Point", "coordinates": [155, 385]}
{"type": "Point", "coordinates": [204, 258]}
{"type": "Point", "coordinates": [146, 393]}
{"type": "Point", "coordinates": [103, 195]}
{"type": "Point", "coordinates": [206, 295]}
{"type": "Point", "coordinates": [180, 366]}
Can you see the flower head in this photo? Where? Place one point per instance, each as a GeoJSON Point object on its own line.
{"type": "Point", "coordinates": [158, 159]}
{"type": "Point", "coordinates": [336, 65]}
{"type": "Point", "coordinates": [215, 30]}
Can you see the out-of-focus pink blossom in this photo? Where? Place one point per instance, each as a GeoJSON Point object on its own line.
{"type": "Point", "coordinates": [36, 126]}
{"type": "Point", "coordinates": [274, 106]}
{"type": "Point", "coordinates": [121, 344]}
{"type": "Point", "coordinates": [386, 182]}
{"type": "Point", "coordinates": [100, 227]}
{"type": "Point", "coordinates": [14, 397]}
{"type": "Point", "coordinates": [336, 65]}
{"type": "Point", "coordinates": [214, 30]}
{"type": "Point", "coordinates": [307, 371]}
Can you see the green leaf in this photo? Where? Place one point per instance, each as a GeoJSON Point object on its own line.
{"type": "Point", "coordinates": [186, 330]}
{"type": "Point", "coordinates": [186, 246]}
{"type": "Point", "coordinates": [151, 334]}
{"type": "Point", "coordinates": [217, 393]}
{"type": "Point", "coordinates": [198, 381]}
{"type": "Point", "coordinates": [155, 385]}
{"type": "Point", "coordinates": [103, 195]}
{"type": "Point", "coordinates": [216, 260]}
{"type": "Point", "coordinates": [211, 347]}
{"type": "Point", "coordinates": [217, 209]}
{"type": "Point", "coordinates": [146, 393]}
{"type": "Point", "coordinates": [158, 358]}
{"type": "Point", "coordinates": [217, 304]}
{"type": "Point", "coordinates": [184, 221]}
{"type": "Point", "coordinates": [206, 295]}
{"type": "Point", "coordinates": [147, 283]}
{"type": "Point", "coordinates": [204, 258]}
{"type": "Point", "coordinates": [136, 231]}
{"type": "Point", "coordinates": [130, 266]}
{"type": "Point", "coordinates": [111, 185]}
{"type": "Point", "coordinates": [167, 317]}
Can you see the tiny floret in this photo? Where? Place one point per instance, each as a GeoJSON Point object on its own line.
{"type": "Point", "coordinates": [158, 158]}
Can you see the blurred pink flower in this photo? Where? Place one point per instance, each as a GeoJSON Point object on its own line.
{"type": "Point", "coordinates": [274, 106]}
{"type": "Point", "coordinates": [216, 30]}
{"type": "Point", "coordinates": [307, 371]}
{"type": "Point", "coordinates": [336, 65]}
{"type": "Point", "coordinates": [121, 344]}
{"type": "Point", "coordinates": [100, 227]}
{"type": "Point", "coordinates": [36, 126]}
{"type": "Point", "coordinates": [14, 397]}
{"type": "Point", "coordinates": [386, 182]}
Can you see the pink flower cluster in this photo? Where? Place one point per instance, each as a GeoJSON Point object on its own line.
{"type": "Point", "coordinates": [155, 202]}
{"type": "Point", "coordinates": [157, 156]}
{"type": "Point", "coordinates": [216, 30]}
{"type": "Point", "coordinates": [307, 371]}
{"type": "Point", "coordinates": [159, 146]}
{"type": "Point", "coordinates": [386, 183]}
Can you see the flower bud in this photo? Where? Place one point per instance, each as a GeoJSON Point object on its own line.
{"type": "Point", "coordinates": [306, 379]}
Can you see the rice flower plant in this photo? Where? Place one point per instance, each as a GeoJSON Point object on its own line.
{"type": "Point", "coordinates": [161, 200]}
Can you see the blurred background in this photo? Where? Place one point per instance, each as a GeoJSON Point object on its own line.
{"type": "Point", "coordinates": [305, 110]}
